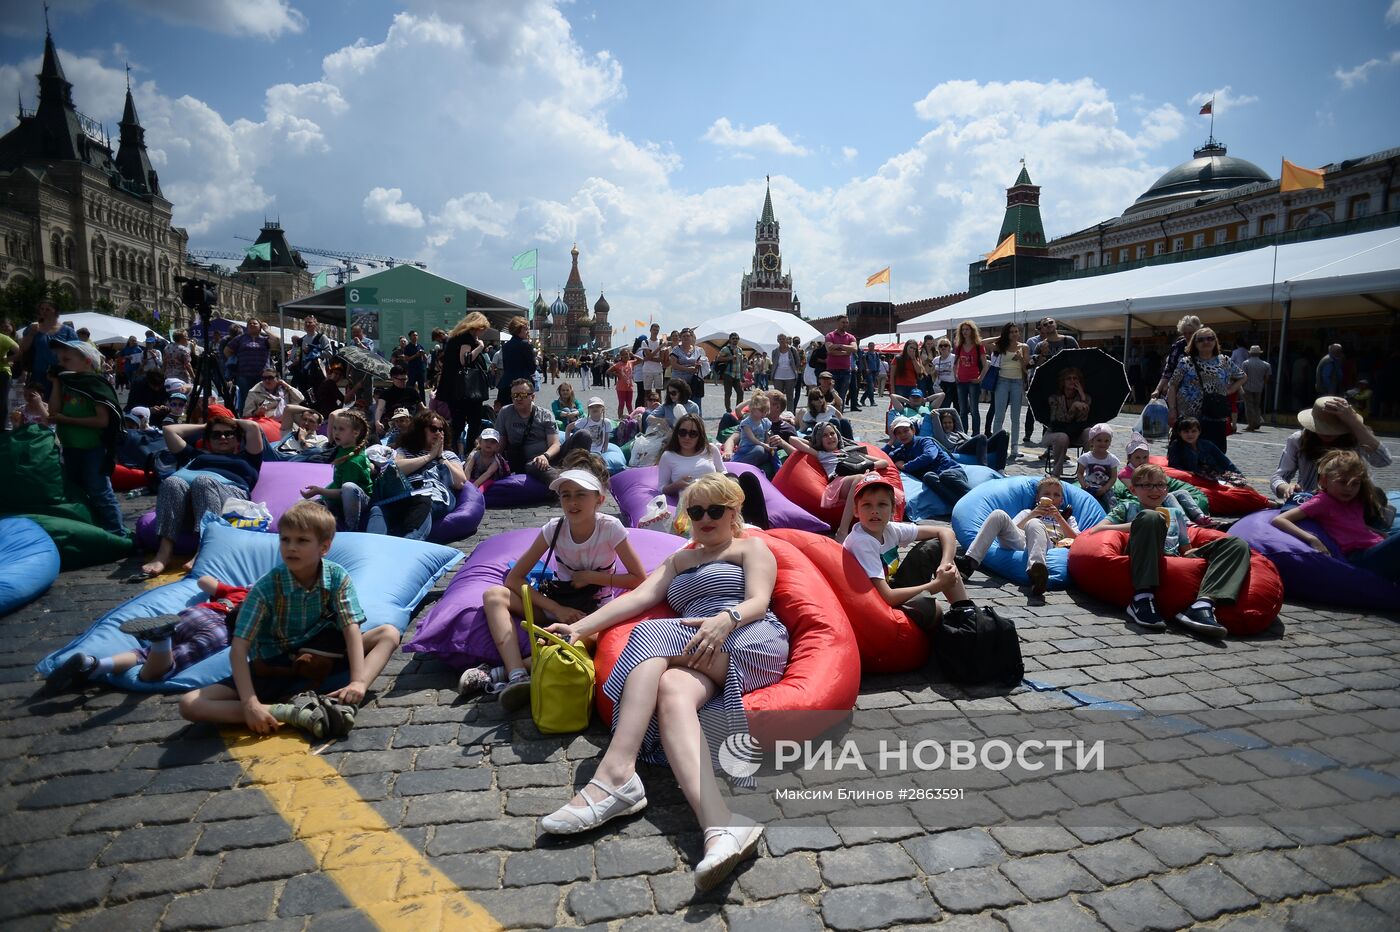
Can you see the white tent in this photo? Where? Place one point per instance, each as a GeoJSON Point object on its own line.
{"type": "Point", "coordinates": [105, 330]}
{"type": "Point", "coordinates": [758, 328]}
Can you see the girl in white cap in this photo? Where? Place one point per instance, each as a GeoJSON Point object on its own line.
{"type": "Point", "coordinates": [485, 464]}
{"type": "Point", "coordinates": [581, 548]}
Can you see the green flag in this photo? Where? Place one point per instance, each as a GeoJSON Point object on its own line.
{"type": "Point", "coordinates": [529, 282]}
{"type": "Point", "coordinates": [323, 279]}
{"type": "Point", "coordinates": [526, 260]}
{"type": "Point", "coordinates": [261, 251]}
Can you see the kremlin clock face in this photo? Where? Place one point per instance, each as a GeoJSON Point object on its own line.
{"type": "Point", "coordinates": [770, 262]}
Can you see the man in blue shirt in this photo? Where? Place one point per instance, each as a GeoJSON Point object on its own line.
{"type": "Point", "coordinates": [1328, 380]}
{"type": "Point", "coordinates": [924, 459]}
{"type": "Point", "coordinates": [869, 372]}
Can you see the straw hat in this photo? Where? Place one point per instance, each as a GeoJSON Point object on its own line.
{"type": "Point", "coordinates": [1321, 421]}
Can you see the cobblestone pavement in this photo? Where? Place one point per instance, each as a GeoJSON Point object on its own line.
{"type": "Point", "coordinates": [1261, 795]}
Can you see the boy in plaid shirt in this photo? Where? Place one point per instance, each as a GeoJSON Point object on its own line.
{"type": "Point", "coordinates": [300, 622]}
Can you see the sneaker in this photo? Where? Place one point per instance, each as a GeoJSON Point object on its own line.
{"type": "Point", "coordinates": [1200, 621]}
{"type": "Point", "coordinates": [1039, 574]}
{"type": "Point", "coordinates": [477, 680]}
{"type": "Point", "coordinates": [515, 695]}
{"type": "Point", "coordinates": [966, 565]}
{"type": "Point", "coordinates": [1143, 612]}
{"type": "Point", "coordinates": [155, 628]}
{"type": "Point", "coordinates": [72, 673]}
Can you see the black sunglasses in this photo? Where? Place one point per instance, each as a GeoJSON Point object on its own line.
{"type": "Point", "coordinates": [687, 432]}
{"type": "Point", "coordinates": [715, 512]}
{"type": "Point", "coordinates": [222, 434]}
{"type": "Point", "coordinates": [435, 429]}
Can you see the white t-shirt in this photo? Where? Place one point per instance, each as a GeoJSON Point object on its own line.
{"type": "Point", "coordinates": [597, 430]}
{"type": "Point", "coordinates": [783, 368]}
{"type": "Point", "coordinates": [1099, 473]}
{"type": "Point", "coordinates": [943, 368]}
{"type": "Point", "coordinates": [674, 466]}
{"type": "Point", "coordinates": [649, 366]}
{"type": "Point", "coordinates": [599, 552]}
{"type": "Point", "coordinates": [828, 460]}
{"type": "Point", "coordinates": [879, 557]}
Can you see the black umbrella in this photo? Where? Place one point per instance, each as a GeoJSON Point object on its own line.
{"type": "Point", "coordinates": [1104, 379]}
{"type": "Point", "coordinates": [364, 361]}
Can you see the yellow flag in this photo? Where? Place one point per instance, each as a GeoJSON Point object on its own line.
{"type": "Point", "coordinates": [879, 278]}
{"type": "Point", "coordinates": [640, 323]}
{"type": "Point", "coordinates": [1007, 247]}
{"type": "Point", "coordinates": [1297, 178]}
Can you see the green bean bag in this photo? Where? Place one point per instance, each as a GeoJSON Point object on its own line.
{"type": "Point", "coordinates": [81, 544]}
{"type": "Point", "coordinates": [31, 479]}
{"type": "Point", "coordinates": [1123, 493]}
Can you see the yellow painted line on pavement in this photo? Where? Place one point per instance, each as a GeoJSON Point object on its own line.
{"type": "Point", "coordinates": [380, 873]}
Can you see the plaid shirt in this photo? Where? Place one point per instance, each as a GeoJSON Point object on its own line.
{"type": "Point", "coordinates": [279, 615]}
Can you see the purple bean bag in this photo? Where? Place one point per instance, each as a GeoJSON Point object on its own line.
{"type": "Point", "coordinates": [279, 486]}
{"type": "Point", "coordinates": [454, 630]}
{"type": "Point", "coordinates": [1310, 576]}
{"type": "Point", "coordinates": [516, 489]}
{"type": "Point", "coordinates": [462, 521]}
{"type": "Point", "coordinates": [634, 488]}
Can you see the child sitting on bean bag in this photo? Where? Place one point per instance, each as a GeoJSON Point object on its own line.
{"type": "Point", "coordinates": [1190, 451]}
{"type": "Point", "coordinates": [1157, 527]}
{"type": "Point", "coordinates": [1347, 507]}
{"type": "Point", "coordinates": [1035, 530]}
{"type": "Point", "coordinates": [1097, 465]}
{"type": "Point", "coordinates": [1183, 492]}
{"type": "Point", "coordinates": [924, 459]}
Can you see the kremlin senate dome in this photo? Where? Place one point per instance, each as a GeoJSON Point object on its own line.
{"type": "Point", "coordinates": [1209, 171]}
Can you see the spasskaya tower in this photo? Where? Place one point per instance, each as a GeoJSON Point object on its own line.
{"type": "Point", "coordinates": [765, 285]}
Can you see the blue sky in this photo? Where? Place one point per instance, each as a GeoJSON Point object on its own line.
{"type": "Point", "coordinates": [464, 133]}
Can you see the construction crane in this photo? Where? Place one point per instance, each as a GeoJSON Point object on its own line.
{"type": "Point", "coordinates": [346, 261]}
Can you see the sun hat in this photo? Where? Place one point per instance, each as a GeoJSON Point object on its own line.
{"type": "Point", "coordinates": [87, 349]}
{"type": "Point", "coordinates": [580, 477]}
{"type": "Point", "coordinates": [1137, 442]}
{"type": "Point", "coordinates": [1321, 421]}
{"type": "Point", "coordinates": [489, 433]}
{"type": "Point", "coordinates": [899, 422]}
{"type": "Point", "coordinates": [398, 413]}
{"type": "Point", "coordinates": [174, 385]}
{"type": "Point", "coordinates": [595, 400]}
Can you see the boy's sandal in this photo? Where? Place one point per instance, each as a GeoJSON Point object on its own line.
{"type": "Point", "coordinates": [310, 714]}
{"type": "Point", "coordinates": [340, 717]}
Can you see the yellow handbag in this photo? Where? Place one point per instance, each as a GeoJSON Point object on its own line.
{"type": "Point", "coordinates": [561, 679]}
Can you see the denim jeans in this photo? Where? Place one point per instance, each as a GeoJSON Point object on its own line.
{"type": "Point", "coordinates": [842, 378]}
{"type": "Point", "coordinates": [969, 405]}
{"type": "Point", "coordinates": [84, 469]}
{"type": "Point", "coordinates": [1008, 394]}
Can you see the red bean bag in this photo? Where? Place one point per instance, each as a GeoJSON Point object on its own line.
{"type": "Point", "coordinates": [127, 478]}
{"type": "Point", "coordinates": [889, 641]}
{"type": "Point", "coordinates": [1098, 564]}
{"type": "Point", "coordinates": [271, 428]}
{"type": "Point", "coordinates": [802, 480]}
{"type": "Point", "coordinates": [1225, 500]}
{"type": "Point", "coordinates": [823, 668]}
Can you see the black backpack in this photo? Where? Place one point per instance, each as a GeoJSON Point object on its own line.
{"type": "Point", "coordinates": [976, 646]}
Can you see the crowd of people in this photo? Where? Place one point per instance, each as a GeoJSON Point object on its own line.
{"type": "Point", "coordinates": [403, 451]}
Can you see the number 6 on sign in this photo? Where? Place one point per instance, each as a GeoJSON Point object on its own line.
{"type": "Point", "coordinates": [354, 296]}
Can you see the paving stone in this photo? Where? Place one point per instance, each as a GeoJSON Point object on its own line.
{"type": "Point", "coordinates": [151, 844]}
{"type": "Point", "coordinates": [397, 761]}
{"type": "Point", "coordinates": [605, 900]}
{"type": "Point", "coordinates": [1059, 916]}
{"type": "Point", "coordinates": [342, 920]}
{"type": "Point", "coordinates": [274, 863]}
{"type": "Point", "coordinates": [973, 890]}
{"type": "Point", "coordinates": [310, 895]}
{"type": "Point", "coordinates": [139, 810]}
{"type": "Point", "coordinates": [548, 865]}
{"type": "Point", "coordinates": [55, 892]}
{"type": "Point", "coordinates": [1271, 876]}
{"type": "Point", "coordinates": [1049, 876]}
{"type": "Point", "coordinates": [1117, 862]}
{"type": "Point", "coordinates": [494, 835]}
{"type": "Point", "coordinates": [440, 808]}
{"type": "Point", "coordinates": [1383, 851]}
{"type": "Point", "coordinates": [87, 788]}
{"type": "Point", "coordinates": [1339, 912]}
{"type": "Point", "coordinates": [152, 878]}
{"type": "Point", "coordinates": [1384, 897]}
{"type": "Point", "coordinates": [1244, 835]}
{"type": "Point", "coordinates": [865, 864]}
{"type": "Point", "coordinates": [1033, 839]}
{"type": "Point", "coordinates": [528, 908]}
{"type": "Point", "coordinates": [257, 832]}
{"type": "Point", "coordinates": [954, 851]}
{"type": "Point", "coordinates": [472, 871]}
{"type": "Point", "coordinates": [876, 906]}
{"type": "Point", "coordinates": [703, 918]}
{"type": "Point", "coordinates": [1179, 846]}
{"type": "Point", "coordinates": [1031, 800]}
{"type": "Point", "coordinates": [1338, 866]}
{"type": "Point", "coordinates": [617, 858]}
{"type": "Point", "coordinates": [1136, 906]}
{"type": "Point", "coordinates": [551, 776]}
{"type": "Point", "coordinates": [142, 914]}
{"type": "Point", "coordinates": [30, 825]}
{"type": "Point", "coordinates": [213, 776]}
{"type": "Point", "coordinates": [233, 804]}
{"type": "Point", "coordinates": [1205, 892]}
{"type": "Point", "coordinates": [56, 854]}
{"type": "Point", "coordinates": [783, 839]}
{"type": "Point", "coordinates": [675, 892]}
{"type": "Point", "coordinates": [424, 736]}
{"type": "Point", "coordinates": [425, 782]}
{"type": "Point", "coordinates": [788, 914]}
{"type": "Point", "coordinates": [214, 909]}
{"type": "Point", "coordinates": [1315, 826]}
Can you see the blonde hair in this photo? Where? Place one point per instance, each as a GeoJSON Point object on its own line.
{"type": "Point", "coordinates": [1148, 471]}
{"type": "Point", "coordinates": [716, 488]}
{"type": "Point", "coordinates": [1348, 464]}
{"type": "Point", "coordinates": [1047, 483]}
{"type": "Point", "coordinates": [311, 517]}
{"type": "Point", "coordinates": [976, 334]}
{"type": "Point", "coordinates": [588, 462]}
{"type": "Point", "coordinates": [473, 321]}
{"type": "Point", "coordinates": [759, 400]}
{"type": "Point", "coordinates": [560, 391]}
{"type": "Point", "coordinates": [361, 428]}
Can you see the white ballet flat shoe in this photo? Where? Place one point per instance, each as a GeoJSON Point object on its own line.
{"type": "Point", "coordinates": [736, 843]}
{"type": "Point", "coordinates": [621, 801]}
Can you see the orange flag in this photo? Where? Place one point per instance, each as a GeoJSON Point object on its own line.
{"type": "Point", "coordinates": [1297, 178]}
{"type": "Point", "coordinates": [640, 323]}
{"type": "Point", "coordinates": [880, 277]}
{"type": "Point", "coordinates": [1007, 247]}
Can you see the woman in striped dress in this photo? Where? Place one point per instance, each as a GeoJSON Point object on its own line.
{"type": "Point", "coordinates": [678, 686]}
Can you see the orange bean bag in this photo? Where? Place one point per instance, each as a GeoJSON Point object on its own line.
{"type": "Point", "coordinates": [1098, 564]}
{"type": "Point", "coordinates": [1225, 500]}
{"type": "Point", "coordinates": [127, 478]}
{"type": "Point", "coordinates": [823, 668]}
{"type": "Point", "coordinates": [889, 641]}
{"type": "Point", "coordinates": [802, 480]}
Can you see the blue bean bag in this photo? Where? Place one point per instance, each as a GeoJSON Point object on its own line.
{"type": "Point", "coordinates": [615, 458]}
{"type": "Point", "coordinates": [391, 576]}
{"type": "Point", "coordinates": [30, 559]}
{"type": "Point", "coordinates": [1013, 495]}
{"type": "Point", "coordinates": [1329, 579]}
{"type": "Point", "coordinates": [921, 502]}
{"type": "Point", "coordinates": [461, 522]}
{"type": "Point", "coordinates": [926, 430]}
{"type": "Point", "coordinates": [516, 489]}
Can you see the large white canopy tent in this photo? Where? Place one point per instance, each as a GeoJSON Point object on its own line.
{"type": "Point", "coordinates": [758, 328]}
{"type": "Point", "coordinates": [104, 329]}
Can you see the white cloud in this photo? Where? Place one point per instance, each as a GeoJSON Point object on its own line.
{"type": "Point", "coordinates": [1351, 77]}
{"type": "Point", "coordinates": [765, 138]}
{"type": "Point", "coordinates": [386, 205]}
{"type": "Point", "coordinates": [1225, 99]}
{"type": "Point", "coordinates": [1392, 15]}
{"type": "Point", "coordinates": [264, 19]}
{"type": "Point", "coordinates": [849, 153]}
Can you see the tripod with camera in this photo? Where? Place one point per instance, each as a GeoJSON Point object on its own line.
{"type": "Point", "coordinates": [201, 296]}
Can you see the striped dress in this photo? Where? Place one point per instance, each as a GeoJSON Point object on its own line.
{"type": "Point", "coordinates": [758, 653]}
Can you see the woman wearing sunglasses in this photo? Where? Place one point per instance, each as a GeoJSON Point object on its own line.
{"type": "Point", "coordinates": [1202, 384]}
{"type": "Point", "coordinates": [688, 455]}
{"type": "Point", "coordinates": [678, 687]}
{"type": "Point", "coordinates": [435, 476]}
{"type": "Point", "coordinates": [222, 468]}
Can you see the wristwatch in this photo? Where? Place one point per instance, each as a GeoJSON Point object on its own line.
{"type": "Point", "coordinates": [734, 614]}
